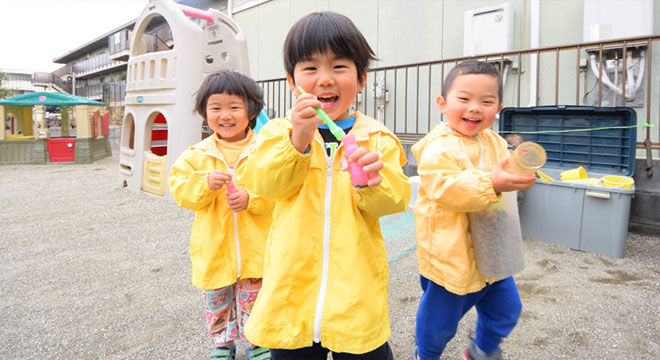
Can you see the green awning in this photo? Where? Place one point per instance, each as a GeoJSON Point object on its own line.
{"type": "Point", "coordinates": [49, 99]}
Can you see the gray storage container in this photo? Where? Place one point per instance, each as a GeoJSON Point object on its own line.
{"type": "Point", "coordinates": [602, 141]}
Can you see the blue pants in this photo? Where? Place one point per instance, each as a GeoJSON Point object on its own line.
{"type": "Point", "coordinates": [498, 309]}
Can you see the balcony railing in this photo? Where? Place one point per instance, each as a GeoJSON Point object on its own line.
{"type": "Point", "coordinates": [403, 97]}
{"type": "Point", "coordinates": [95, 64]}
{"type": "Point", "coordinates": [109, 93]}
{"type": "Point", "coordinates": [118, 42]}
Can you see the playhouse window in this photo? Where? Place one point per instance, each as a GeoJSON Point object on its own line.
{"type": "Point", "coordinates": [128, 133]}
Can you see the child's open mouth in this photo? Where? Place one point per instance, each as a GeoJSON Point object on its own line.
{"type": "Point", "coordinates": [470, 122]}
{"type": "Point", "coordinates": [328, 101]}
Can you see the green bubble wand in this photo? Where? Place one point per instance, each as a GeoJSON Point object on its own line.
{"type": "Point", "coordinates": [334, 129]}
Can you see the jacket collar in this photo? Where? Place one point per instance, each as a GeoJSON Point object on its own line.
{"type": "Point", "coordinates": [208, 145]}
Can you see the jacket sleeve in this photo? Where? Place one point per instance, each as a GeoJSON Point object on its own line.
{"type": "Point", "coordinates": [274, 169]}
{"type": "Point", "coordinates": [393, 193]}
{"type": "Point", "coordinates": [189, 182]}
{"type": "Point", "coordinates": [259, 205]}
{"type": "Point", "coordinates": [451, 182]}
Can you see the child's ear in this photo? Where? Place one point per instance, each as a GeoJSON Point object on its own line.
{"type": "Point", "coordinates": [500, 108]}
{"type": "Point", "coordinates": [362, 82]}
{"type": "Point", "coordinates": [442, 105]}
{"type": "Point", "coordinates": [292, 85]}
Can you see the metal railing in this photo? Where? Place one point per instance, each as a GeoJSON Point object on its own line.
{"type": "Point", "coordinates": [94, 64]}
{"type": "Point", "coordinates": [51, 78]}
{"type": "Point", "coordinates": [403, 96]}
{"type": "Point", "coordinates": [110, 92]}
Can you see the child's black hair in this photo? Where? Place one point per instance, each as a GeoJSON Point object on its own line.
{"type": "Point", "coordinates": [513, 140]}
{"type": "Point", "coordinates": [322, 31]}
{"type": "Point", "coordinates": [472, 67]}
{"type": "Point", "coordinates": [232, 83]}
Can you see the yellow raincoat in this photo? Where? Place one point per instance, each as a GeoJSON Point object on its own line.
{"type": "Point", "coordinates": [325, 275]}
{"type": "Point", "coordinates": [224, 246]}
{"type": "Point", "coordinates": [451, 185]}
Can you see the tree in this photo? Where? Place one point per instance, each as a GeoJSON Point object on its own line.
{"type": "Point", "coordinates": [4, 93]}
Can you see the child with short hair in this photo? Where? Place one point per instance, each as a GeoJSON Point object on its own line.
{"type": "Point", "coordinates": [228, 236]}
{"type": "Point", "coordinates": [325, 275]}
{"type": "Point", "coordinates": [452, 184]}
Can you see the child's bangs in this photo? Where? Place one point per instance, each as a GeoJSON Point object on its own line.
{"type": "Point", "coordinates": [325, 36]}
{"type": "Point", "coordinates": [227, 85]}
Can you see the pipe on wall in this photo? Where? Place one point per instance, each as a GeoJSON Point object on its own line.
{"type": "Point", "coordinates": [534, 30]}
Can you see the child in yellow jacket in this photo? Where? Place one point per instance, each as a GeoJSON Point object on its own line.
{"type": "Point", "coordinates": [451, 162]}
{"type": "Point", "coordinates": [325, 275]}
{"type": "Point", "coordinates": [231, 224]}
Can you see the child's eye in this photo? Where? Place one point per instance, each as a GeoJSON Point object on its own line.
{"type": "Point", "coordinates": [342, 66]}
{"type": "Point", "coordinates": [463, 99]}
{"type": "Point", "coordinates": [309, 68]}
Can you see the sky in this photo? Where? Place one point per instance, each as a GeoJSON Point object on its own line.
{"type": "Point", "coordinates": [33, 32]}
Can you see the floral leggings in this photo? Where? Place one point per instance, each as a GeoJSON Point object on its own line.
{"type": "Point", "coordinates": [227, 310]}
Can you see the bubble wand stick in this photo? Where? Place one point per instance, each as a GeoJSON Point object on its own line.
{"type": "Point", "coordinates": [358, 176]}
{"type": "Point", "coordinates": [334, 129]}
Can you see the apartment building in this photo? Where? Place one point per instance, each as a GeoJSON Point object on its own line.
{"type": "Point", "coordinates": [19, 82]}
{"type": "Point", "coordinates": [97, 69]}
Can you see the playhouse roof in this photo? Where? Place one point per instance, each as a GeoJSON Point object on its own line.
{"type": "Point", "coordinates": [49, 99]}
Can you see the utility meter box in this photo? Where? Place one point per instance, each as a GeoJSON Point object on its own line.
{"type": "Point", "coordinates": [616, 19]}
{"type": "Point", "coordinates": [488, 30]}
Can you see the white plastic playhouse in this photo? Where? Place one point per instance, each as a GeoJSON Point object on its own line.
{"type": "Point", "coordinates": [159, 122]}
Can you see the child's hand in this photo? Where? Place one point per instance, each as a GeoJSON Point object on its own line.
{"type": "Point", "coordinates": [218, 179]}
{"type": "Point", "coordinates": [238, 201]}
{"type": "Point", "coordinates": [369, 160]}
{"type": "Point", "coordinates": [304, 119]}
{"type": "Point", "coordinates": [504, 181]}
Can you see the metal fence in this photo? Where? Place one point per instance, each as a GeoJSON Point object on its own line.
{"type": "Point", "coordinates": [403, 96]}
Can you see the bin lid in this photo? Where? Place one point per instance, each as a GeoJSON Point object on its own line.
{"type": "Point", "coordinates": [600, 139]}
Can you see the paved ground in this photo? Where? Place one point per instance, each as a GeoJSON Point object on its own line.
{"type": "Point", "coordinates": [89, 270]}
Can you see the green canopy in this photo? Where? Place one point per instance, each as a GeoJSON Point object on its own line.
{"type": "Point", "coordinates": [49, 99]}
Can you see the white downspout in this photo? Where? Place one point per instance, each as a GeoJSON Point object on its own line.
{"type": "Point", "coordinates": [230, 8]}
{"type": "Point", "coordinates": [534, 29]}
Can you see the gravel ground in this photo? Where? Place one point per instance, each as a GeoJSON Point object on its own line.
{"type": "Point", "coordinates": [90, 270]}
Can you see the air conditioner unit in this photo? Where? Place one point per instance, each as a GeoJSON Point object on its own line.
{"type": "Point", "coordinates": [488, 30]}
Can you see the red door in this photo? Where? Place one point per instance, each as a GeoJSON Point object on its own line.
{"type": "Point", "coordinates": [159, 136]}
{"type": "Point", "coordinates": [61, 149]}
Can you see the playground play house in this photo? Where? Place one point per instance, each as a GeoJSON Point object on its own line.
{"type": "Point", "coordinates": [159, 122]}
{"type": "Point", "coordinates": [26, 139]}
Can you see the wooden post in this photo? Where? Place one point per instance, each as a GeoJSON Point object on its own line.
{"type": "Point", "coordinates": [83, 123]}
{"type": "Point", "coordinates": [41, 130]}
{"type": "Point", "coordinates": [64, 110]}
